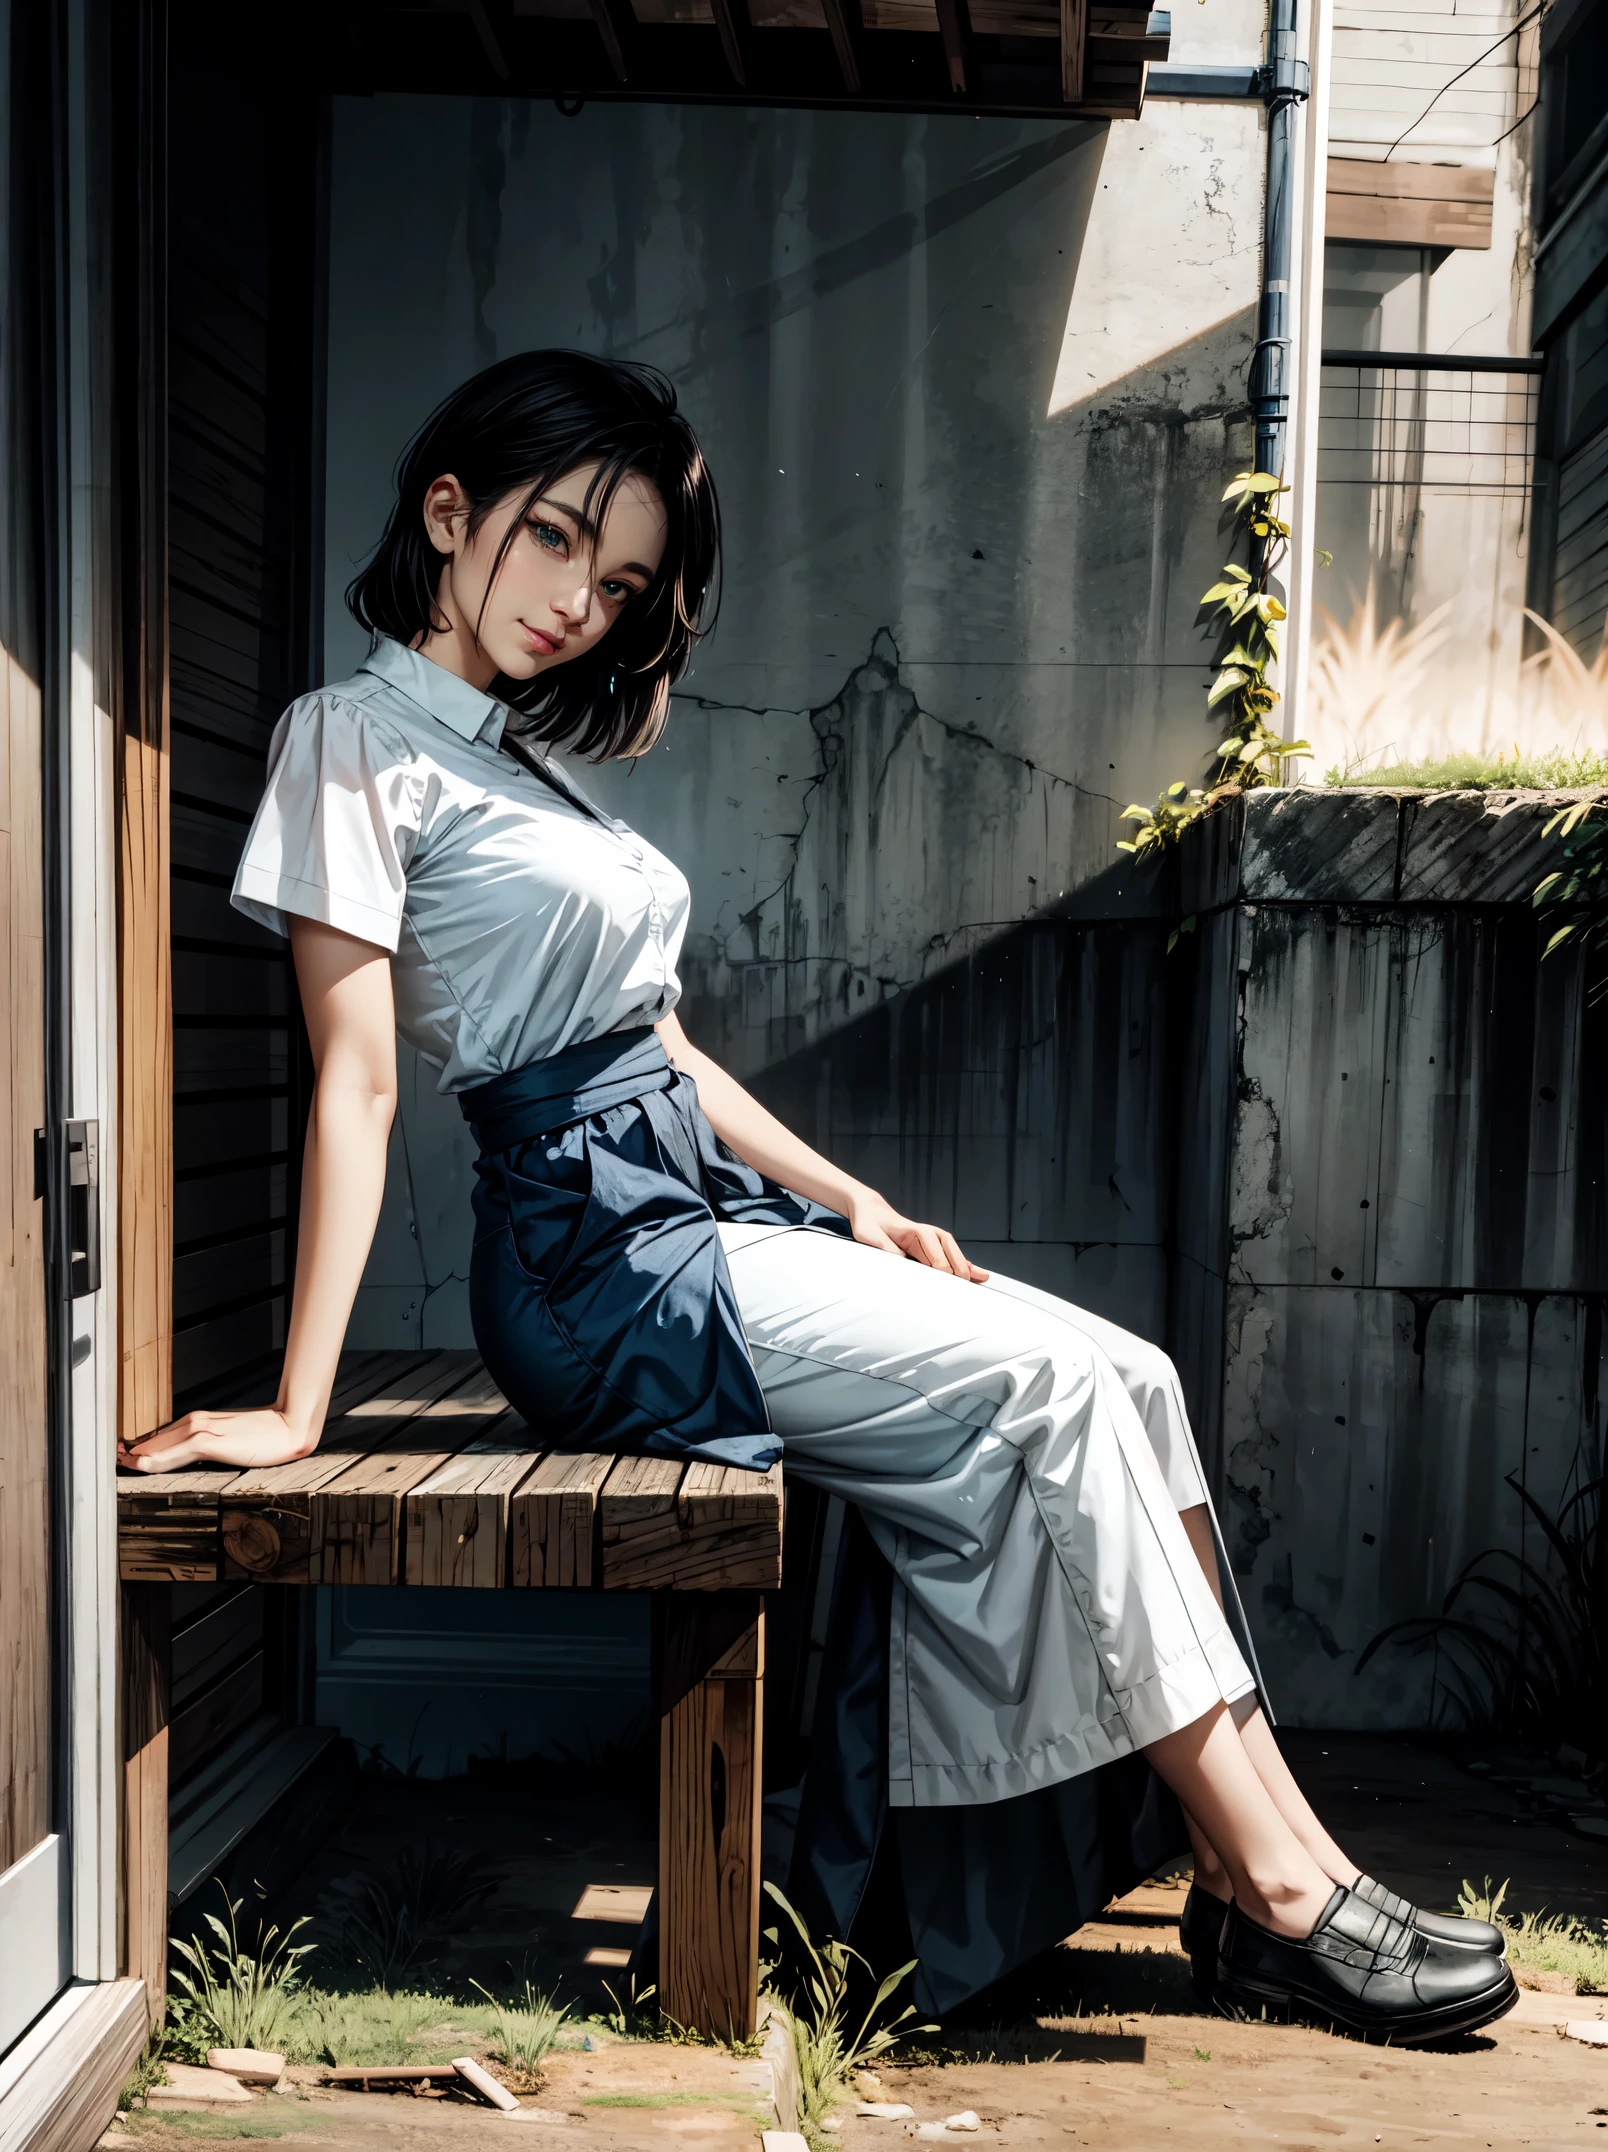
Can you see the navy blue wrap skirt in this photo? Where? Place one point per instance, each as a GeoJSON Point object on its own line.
{"type": "Point", "coordinates": [598, 1289]}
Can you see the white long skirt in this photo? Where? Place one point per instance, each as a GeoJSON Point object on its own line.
{"type": "Point", "coordinates": [1021, 1465]}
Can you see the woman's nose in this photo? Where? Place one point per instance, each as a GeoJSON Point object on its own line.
{"type": "Point", "coordinates": [577, 607]}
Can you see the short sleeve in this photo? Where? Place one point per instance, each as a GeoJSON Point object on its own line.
{"type": "Point", "coordinates": [337, 825]}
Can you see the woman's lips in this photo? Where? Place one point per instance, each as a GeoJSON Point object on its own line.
{"type": "Point", "coordinates": [543, 645]}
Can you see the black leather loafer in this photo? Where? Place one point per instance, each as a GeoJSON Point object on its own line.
{"type": "Point", "coordinates": [1200, 1930]}
{"type": "Point", "coordinates": [1363, 1971]}
{"type": "Point", "coordinates": [1447, 1928]}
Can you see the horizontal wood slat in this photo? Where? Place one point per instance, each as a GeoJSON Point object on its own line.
{"type": "Point", "coordinates": [426, 1477]}
{"type": "Point", "coordinates": [1420, 205]}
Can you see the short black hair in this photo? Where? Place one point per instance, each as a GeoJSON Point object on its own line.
{"type": "Point", "coordinates": [519, 427]}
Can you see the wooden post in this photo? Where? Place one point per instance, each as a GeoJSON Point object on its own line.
{"type": "Point", "coordinates": [710, 1788]}
{"type": "Point", "coordinates": [144, 1149]}
{"type": "Point", "coordinates": [144, 1675]}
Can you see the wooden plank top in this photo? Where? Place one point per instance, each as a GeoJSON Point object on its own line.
{"type": "Point", "coordinates": [426, 1477]}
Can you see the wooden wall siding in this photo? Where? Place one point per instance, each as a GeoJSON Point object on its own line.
{"type": "Point", "coordinates": [232, 990]}
{"type": "Point", "coordinates": [145, 1090]}
{"type": "Point", "coordinates": [144, 1189]}
{"type": "Point", "coordinates": [24, 1508]}
{"type": "Point", "coordinates": [1580, 576]}
{"type": "Point", "coordinates": [1420, 205]}
{"type": "Point", "coordinates": [218, 1667]}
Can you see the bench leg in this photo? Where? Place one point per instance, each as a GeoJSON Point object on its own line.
{"type": "Point", "coordinates": [145, 1631]}
{"type": "Point", "coordinates": [711, 1697]}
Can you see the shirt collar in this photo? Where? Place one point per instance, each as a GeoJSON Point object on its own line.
{"type": "Point", "coordinates": [463, 709]}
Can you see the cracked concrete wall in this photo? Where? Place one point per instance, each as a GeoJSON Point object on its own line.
{"type": "Point", "coordinates": [1393, 1241]}
{"type": "Point", "coordinates": [970, 390]}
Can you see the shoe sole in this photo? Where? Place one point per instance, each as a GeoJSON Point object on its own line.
{"type": "Point", "coordinates": [1240, 1997]}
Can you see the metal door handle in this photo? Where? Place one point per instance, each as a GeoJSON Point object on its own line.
{"type": "Point", "coordinates": [83, 1207]}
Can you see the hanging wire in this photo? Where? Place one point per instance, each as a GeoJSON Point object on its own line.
{"type": "Point", "coordinates": [1523, 23]}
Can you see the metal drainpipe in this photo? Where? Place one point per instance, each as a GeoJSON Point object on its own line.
{"type": "Point", "coordinates": [1284, 82]}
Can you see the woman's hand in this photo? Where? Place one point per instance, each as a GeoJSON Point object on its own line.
{"type": "Point", "coordinates": [244, 1439]}
{"type": "Point", "coordinates": [879, 1225]}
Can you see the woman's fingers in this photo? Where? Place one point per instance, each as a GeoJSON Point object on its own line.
{"type": "Point", "coordinates": [261, 1437]}
{"type": "Point", "coordinates": [929, 1244]}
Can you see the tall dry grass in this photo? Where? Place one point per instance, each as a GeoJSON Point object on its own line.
{"type": "Point", "coordinates": [1387, 700]}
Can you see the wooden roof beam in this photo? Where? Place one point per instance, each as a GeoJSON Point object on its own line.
{"type": "Point", "coordinates": [615, 26]}
{"type": "Point", "coordinates": [490, 43]}
{"type": "Point", "coordinates": [954, 24]}
{"type": "Point", "coordinates": [1074, 28]}
{"type": "Point", "coordinates": [843, 20]}
{"type": "Point", "coordinates": [731, 20]}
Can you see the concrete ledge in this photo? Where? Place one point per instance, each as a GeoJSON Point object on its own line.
{"type": "Point", "coordinates": [1317, 844]}
{"type": "Point", "coordinates": [59, 2084]}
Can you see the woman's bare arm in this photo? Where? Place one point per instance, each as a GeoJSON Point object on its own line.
{"type": "Point", "coordinates": [351, 1024]}
{"type": "Point", "coordinates": [762, 1141]}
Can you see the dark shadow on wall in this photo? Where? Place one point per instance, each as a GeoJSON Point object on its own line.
{"type": "Point", "coordinates": [1022, 1094]}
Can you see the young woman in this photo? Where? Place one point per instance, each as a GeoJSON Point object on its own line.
{"type": "Point", "coordinates": [660, 1265]}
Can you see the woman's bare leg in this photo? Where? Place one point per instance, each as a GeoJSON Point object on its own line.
{"type": "Point", "coordinates": [1210, 1874]}
{"type": "Point", "coordinates": [1274, 1878]}
{"type": "Point", "coordinates": [1264, 1753]}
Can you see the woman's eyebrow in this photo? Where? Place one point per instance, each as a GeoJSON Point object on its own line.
{"type": "Point", "coordinates": [577, 516]}
{"type": "Point", "coordinates": [588, 529]}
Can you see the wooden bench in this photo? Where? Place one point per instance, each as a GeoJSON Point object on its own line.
{"type": "Point", "coordinates": [426, 1478]}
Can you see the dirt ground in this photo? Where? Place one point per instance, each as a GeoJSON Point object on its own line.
{"type": "Point", "coordinates": [1101, 2046]}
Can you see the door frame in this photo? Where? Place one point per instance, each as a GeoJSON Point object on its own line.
{"type": "Point", "coordinates": [72, 1872]}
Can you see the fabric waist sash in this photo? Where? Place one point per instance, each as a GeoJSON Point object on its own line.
{"type": "Point", "coordinates": [568, 1086]}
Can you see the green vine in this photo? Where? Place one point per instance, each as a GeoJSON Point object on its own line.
{"type": "Point", "coordinates": [1244, 615]}
{"type": "Point", "coordinates": [1581, 884]}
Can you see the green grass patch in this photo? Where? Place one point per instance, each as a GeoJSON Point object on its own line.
{"type": "Point", "coordinates": [222, 2128]}
{"type": "Point", "coordinates": [1545, 1942]}
{"type": "Point", "coordinates": [1559, 1943]}
{"type": "Point", "coordinates": [1549, 771]}
{"type": "Point", "coordinates": [739, 2102]}
{"type": "Point", "coordinates": [370, 2025]}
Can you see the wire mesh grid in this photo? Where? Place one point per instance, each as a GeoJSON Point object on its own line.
{"type": "Point", "coordinates": [1426, 430]}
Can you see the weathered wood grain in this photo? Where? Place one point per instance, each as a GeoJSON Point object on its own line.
{"type": "Point", "coordinates": [553, 1522]}
{"type": "Point", "coordinates": [167, 1525]}
{"type": "Point", "coordinates": [168, 1522]}
{"type": "Point", "coordinates": [144, 1677]}
{"type": "Point", "coordinates": [456, 1522]}
{"type": "Point", "coordinates": [267, 1516]}
{"type": "Point", "coordinates": [357, 1517]}
{"type": "Point", "coordinates": [1074, 33]}
{"type": "Point", "coordinates": [640, 1526]}
{"type": "Point", "coordinates": [690, 1528]}
{"type": "Point", "coordinates": [424, 1476]}
{"type": "Point", "coordinates": [710, 1774]}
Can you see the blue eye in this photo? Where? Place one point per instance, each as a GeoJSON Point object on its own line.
{"type": "Point", "coordinates": [614, 590]}
{"type": "Point", "coordinates": [549, 535]}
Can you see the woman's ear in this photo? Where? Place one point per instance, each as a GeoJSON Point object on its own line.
{"type": "Point", "coordinates": [446, 510]}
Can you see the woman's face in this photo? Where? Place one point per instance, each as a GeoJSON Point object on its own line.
{"type": "Point", "coordinates": [563, 582]}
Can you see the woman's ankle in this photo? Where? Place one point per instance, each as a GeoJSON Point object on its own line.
{"type": "Point", "coordinates": [1285, 1908]}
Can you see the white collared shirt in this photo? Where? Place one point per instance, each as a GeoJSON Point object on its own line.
{"type": "Point", "coordinates": [520, 918]}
